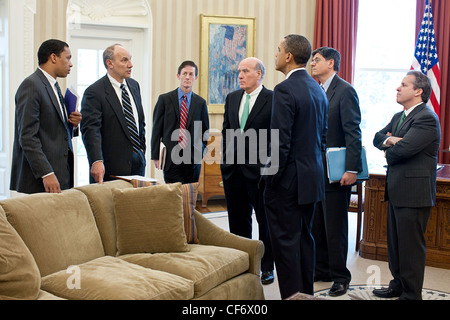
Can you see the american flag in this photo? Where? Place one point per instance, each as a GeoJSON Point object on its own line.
{"type": "Point", "coordinates": [426, 57]}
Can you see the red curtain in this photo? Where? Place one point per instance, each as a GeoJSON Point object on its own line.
{"type": "Point", "coordinates": [336, 26]}
{"type": "Point", "coordinates": [441, 9]}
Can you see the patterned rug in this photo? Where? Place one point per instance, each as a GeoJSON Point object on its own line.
{"type": "Point", "coordinates": [364, 292]}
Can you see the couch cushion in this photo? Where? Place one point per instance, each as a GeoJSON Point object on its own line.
{"type": "Point", "coordinates": [19, 273]}
{"type": "Point", "coordinates": [102, 205]}
{"type": "Point", "coordinates": [150, 220]}
{"type": "Point", "coordinates": [190, 193]}
{"type": "Point", "coordinates": [59, 229]}
{"type": "Point", "coordinates": [109, 278]}
{"type": "Point", "coordinates": [206, 266]}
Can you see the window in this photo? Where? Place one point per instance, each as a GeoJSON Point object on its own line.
{"type": "Point", "coordinates": [385, 51]}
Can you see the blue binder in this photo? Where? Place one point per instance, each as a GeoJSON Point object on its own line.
{"type": "Point", "coordinates": [336, 164]}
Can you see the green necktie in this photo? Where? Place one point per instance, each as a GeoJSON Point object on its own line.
{"type": "Point", "coordinates": [245, 113]}
{"type": "Point", "coordinates": [402, 118]}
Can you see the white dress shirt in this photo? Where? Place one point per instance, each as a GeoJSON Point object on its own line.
{"type": "Point", "coordinates": [253, 96]}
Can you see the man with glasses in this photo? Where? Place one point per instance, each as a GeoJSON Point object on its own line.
{"type": "Point", "coordinates": [330, 228]}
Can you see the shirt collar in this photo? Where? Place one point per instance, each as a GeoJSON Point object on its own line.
{"type": "Point", "coordinates": [49, 77]}
{"type": "Point", "coordinates": [327, 83]}
{"type": "Point", "coordinates": [407, 112]}
{"type": "Point", "coordinates": [255, 92]}
{"type": "Point", "coordinates": [116, 83]}
{"type": "Point", "coordinates": [181, 95]}
{"type": "Point", "coordinates": [292, 71]}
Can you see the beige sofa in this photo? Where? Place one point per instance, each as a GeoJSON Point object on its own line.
{"type": "Point", "coordinates": [119, 242]}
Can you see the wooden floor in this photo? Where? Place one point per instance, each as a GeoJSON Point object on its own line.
{"type": "Point", "coordinates": [214, 205]}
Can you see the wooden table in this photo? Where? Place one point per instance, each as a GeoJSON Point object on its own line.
{"type": "Point", "coordinates": [374, 239]}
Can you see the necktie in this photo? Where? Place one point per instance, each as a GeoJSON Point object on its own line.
{"type": "Point", "coordinates": [402, 118]}
{"type": "Point", "coordinates": [183, 122]}
{"type": "Point", "coordinates": [245, 113]}
{"type": "Point", "coordinates": [61, 100]}
{"type": "Point", "coordinates": [129, 117]}
{"type": "Point", "coordinates": [64, 114]}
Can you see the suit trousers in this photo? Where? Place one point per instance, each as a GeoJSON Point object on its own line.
{"type": "Point", "coordinates": [330, 231]}
{"type": "Point", "coordinates": [184, 173]}
{"type": "Point", "coordinates": [243, 196]}
{"type": "Point", "coordinates": [292, 242]}
{"type": "Point", "coordinates": [406, 229]}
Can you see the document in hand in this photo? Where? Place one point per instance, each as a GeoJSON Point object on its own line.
{"type": "Point", "coordinates": [162, 156]}
{"type": "Point", "coordinates": [336, 164]}
{"type": "Point", "coordinates": [71, 100]}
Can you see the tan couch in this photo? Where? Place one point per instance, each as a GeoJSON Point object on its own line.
{"type": "Point", "coordinates": [117, 242]}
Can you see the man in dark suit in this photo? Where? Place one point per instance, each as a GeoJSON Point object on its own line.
{"type": "Point", "coordinates": [181, 123]}
{"type": "Point", "coordinates": [42, 153]}
{"type": "Point", "coordinates": [113, 125]}
{"type": "Point", "coordinates": [299, 115]}
{"type": "Point", "coordinates": [330, 227]}
{"type": "Point", "coordinates": [246, 129]}
{"type": "Point", "coordinates": [411, 143]}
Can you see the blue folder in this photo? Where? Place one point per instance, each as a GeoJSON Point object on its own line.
{"type": "Point", "coordinates": [336, 164]}
{"type": "Point", "coordinates": [71, 100]}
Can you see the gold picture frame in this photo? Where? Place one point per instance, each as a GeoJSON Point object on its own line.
{"type": "Point", "coordinates": [225, 41]}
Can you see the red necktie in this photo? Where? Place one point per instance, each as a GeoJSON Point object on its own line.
{"type": "Point", "coordinates": [183, 123]}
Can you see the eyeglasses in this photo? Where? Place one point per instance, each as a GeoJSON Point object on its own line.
{"type": "Point", "coordinates": [315, 61]}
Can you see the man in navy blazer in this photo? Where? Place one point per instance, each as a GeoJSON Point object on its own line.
{"type": "Point", "coordinates": [247, 122]}
{"type": "Point", "coordinates": [42, 153]}
{"type": "Point", "coordinates": [113, 148]}
{"type": "Point", "coordinates": [330, 227]}
{"type": "Point", "coordinates": [299, 115]}
{"type": "Point", "coordinates": [411, 142]}
{"type": "Point", "coordinates": [181, 164]}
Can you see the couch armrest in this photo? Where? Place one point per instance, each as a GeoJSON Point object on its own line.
{"type": "Point", "coordinates": [212, 235]}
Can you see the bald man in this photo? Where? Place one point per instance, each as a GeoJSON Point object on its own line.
{"type": "Point", "coordinates": [247, 123]}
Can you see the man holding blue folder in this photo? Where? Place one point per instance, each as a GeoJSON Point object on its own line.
{"type": "Point", "coordinates": [330, 227]}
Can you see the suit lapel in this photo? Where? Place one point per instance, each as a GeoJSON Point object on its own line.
{"type": "Point", "coordinates": [409, 118]}
{"type": "Point", "coordinates": [51, 94]}
{"type": "Point", "coordinates": [332, 88]}
{"type": "Point", "coordinates": [259, 104]}
{"type": "Point", "coordinates": [176, 105]}
{"type": "Point", "coordinates": [115, 104]}
{"type": "Point", "coordinates": [236, 105]}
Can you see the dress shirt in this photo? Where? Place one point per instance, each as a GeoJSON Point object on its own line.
{"type": "Point", "coordinates": [253, 96]}
{"type": "Point", "coordinates": [53, 85]}
{"type": "Point", "coordinates": [116, 85]}
{"type": "Point", "coordinates": [327, 83]}
{"type": "Point", "coordinates": [181, 94]}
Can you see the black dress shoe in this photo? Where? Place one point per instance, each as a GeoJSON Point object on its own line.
{"type": "Point", "coordinates": [386, 293]}
{"type": "Point", "coordinates": [267, 277]}
{"type": "Point", "coordinates": [338, 289]}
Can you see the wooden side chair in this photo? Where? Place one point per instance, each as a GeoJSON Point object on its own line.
{"type": "Point", "coordinates": [357, 205]}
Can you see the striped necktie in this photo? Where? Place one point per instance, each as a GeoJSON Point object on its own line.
{"type": "Point", "coordinates": [129, 117]}
{"type": "Point", "coordinates": [183, 122]}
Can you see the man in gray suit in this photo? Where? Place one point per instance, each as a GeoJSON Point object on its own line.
{"type": "Point", "coordinates": [42, 153]}
{"type": "Point", "coordinates": [411, 143]}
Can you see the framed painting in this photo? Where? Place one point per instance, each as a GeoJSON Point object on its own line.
{"type": "Point", "coordinates": [225, 42]}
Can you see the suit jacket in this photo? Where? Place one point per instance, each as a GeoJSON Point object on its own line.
{"type": "Point", "coordinates": [166, 120]}
{"type": "Point", "coordinates": [259, 119]}
{"type": "Point", "coordinates": [41, 138]}
{"type": "Point", "coordinates": [300, 110]}
{"type": "Point", "coordinates": [344, 118]}
{"type": "Point", "coordinates": [411, 174]}
{"type": "Point", "coordinates": [104, 128]}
